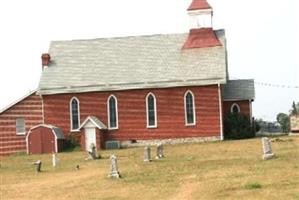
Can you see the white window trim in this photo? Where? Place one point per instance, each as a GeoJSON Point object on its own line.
{"type": "Point", "coordinates": [71, 114]}
{"type": "Point", "coordinates": [108, 112]}
{"type": "Point", "coordinates": [232, 108]}
{"type": "Point", "coordinates": [21, 133]}
{"type": "Point", "coordinates": [155, 110]}
{"type": "Point", "coordinates": [194, 110]}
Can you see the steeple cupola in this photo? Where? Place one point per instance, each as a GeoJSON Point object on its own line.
{"type": "Point", "coordinates": [201, 14]}
{"type": "Point", "coordinates": [201, 33]}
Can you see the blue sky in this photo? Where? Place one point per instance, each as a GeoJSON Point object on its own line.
{"type": "Point", "coordinates": [262, 38]}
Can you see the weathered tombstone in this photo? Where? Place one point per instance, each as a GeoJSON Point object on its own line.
{"type": "Point", "coordinates": [114, 168]}
{"type": "Point", "coordinates": [268, 154]}
{"type": "Point", "coordinates": [160, 151]}
{"type": "Point", "coordinates": [93, 153]}
{"type": "Point", "coordinates": [55, 160]}
{"type": "Point", "coordinates": [38, 165]}
{"type": "Point", "coordinates": [147, 154]}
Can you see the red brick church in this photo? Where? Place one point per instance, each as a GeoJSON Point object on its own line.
{"type": "Point", "coordinates": [137, 88]}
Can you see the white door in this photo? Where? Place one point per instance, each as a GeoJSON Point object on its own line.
{"type": "Point", "coordinates": [90, 137]}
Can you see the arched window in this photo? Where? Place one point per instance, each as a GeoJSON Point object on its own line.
{"type": "Point", "coordinates": [151, 111]}
{"type": "Point", "coordinates": [112, 112]}
{"type": "Point", "coordinates": [189, 108]}
{"type": "Point", "coordinates": [235, 108]}
{"type": "Point", "coordinates": [75, 113]}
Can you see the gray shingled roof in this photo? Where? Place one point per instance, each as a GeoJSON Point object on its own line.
{"type": "Point", "coordinates": [239, 90]}
{"type": "Point", "coordinates": [155, 61]}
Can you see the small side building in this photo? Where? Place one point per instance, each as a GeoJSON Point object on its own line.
{"type": "Point", "coordinates": [238, 96]}
{"type": "Point", "coordinates": [44, 139]}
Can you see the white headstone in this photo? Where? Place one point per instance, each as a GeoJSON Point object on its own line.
{"type": "Point", "coordinates": [114, 168]}
{"type": "Point", "coordinates": [55, 160]}
{"type": "Point", "coordinates": [147, 154]}
{"type": "Point", "coordinates": [267, 149]}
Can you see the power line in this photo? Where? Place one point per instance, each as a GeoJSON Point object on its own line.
{"type": "Point", "coordinates": [276, 85]}
{"type": "Point", "coordinates": [272, 84]}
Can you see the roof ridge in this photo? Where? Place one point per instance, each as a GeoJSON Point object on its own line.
{"type": "Point", "coordinates": [120, 37]}
{"type": "Point", "coordinates": [130, 36]}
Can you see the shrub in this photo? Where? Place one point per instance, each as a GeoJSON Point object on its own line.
{"type": "Point", "coordinates": [71, 143]}
{"type": "Point", "coordinates": [237, 126]}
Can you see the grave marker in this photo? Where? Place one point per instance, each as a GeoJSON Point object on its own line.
{"type": "Point", "coordinates": [55, 160]}
{"type": "Point", "coordinates": [267, 149]}
{"type": "Point", "coordinates": [147, 154]}
{"type": "Point", "coordinates": [38, 165]}
{"type": "Point", "coordinates": [160, 151]}
{"type": "Point", "coordinates": [114, 168]}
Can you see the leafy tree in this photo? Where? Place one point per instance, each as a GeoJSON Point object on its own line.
{"type": "Point", "coordinates": [237, 126]}
{"type": "Point", "coordinates": [284, 121]}
{"type": "Point", "coordinates": [258, 124]}
{"type": "Point", "coordinates": [295, 109]}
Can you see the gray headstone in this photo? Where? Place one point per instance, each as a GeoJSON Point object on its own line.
{"type": "Point", "coordinates": [267, 149]}
{"type": "Point", "coordinates": [160, 151]}
{"type": "Point", "coordinates": [55, 160]}
{"type": "Point", "coordinates": [93, 153]}
{"type": "Point", "coordinates": [114, 168]}
{"type": "Point", "coordinates": [147, 154]}
{"type": "Point", "coordinates": [38, 165]}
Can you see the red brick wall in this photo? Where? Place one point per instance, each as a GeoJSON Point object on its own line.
{"type": "Point", "coordinates": [244, 107]}
{"type": "Point", "coordinates": [132, 112]}
{"type": "Point", "coordinates": [31, 110]}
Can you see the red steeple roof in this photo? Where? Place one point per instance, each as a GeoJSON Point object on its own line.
{"type": "Point", "coordinates": [200, 38]}
{"type": "Point", "coordinates": [199, 4]}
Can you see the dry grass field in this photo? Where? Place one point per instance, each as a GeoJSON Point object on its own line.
{"type": "Point", "coordinates": [218, 170]}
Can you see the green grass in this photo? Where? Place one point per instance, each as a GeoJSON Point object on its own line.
{"type": "Point", "coordinates": [253, 186]}
{"type": "Point", "coordinates": [218, 170]}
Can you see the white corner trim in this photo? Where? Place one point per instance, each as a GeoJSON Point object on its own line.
{"type": "Point", "coordinates": [43, 109]}
{"type": "Point", "coordinates": [71, 114]}
{"type": "Point", "coordinates": [232, 107]}
{"type": "Point", "coordinates": [56, 145]}
{"type": "Point", "coordinates": [155, 110]}
{"type": "Point", "coordinates": [194, 110]}
{"type": "Point", "coordinates": [220, 112]}
{"type": "Point", "coordinates": [116, 112]}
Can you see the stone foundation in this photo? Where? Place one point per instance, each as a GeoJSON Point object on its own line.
{"type": "Point", "coordinates": [188, 140]}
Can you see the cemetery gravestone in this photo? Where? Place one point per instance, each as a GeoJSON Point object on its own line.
{"type": "Point", "coordinates": [93, 152]}
{"type": "Point", "coordinates": [268, 154]}
{"type": "Point", "coordinates": [38, 165]}
{"type": "Point", "coordinates": [160, 151]}
{"type": "Point", "coordinates": [114, 168]}
{"type": "Point", "coordinates": [55, 160]}
{"type": "Point", "coordinates": [147, 154]}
